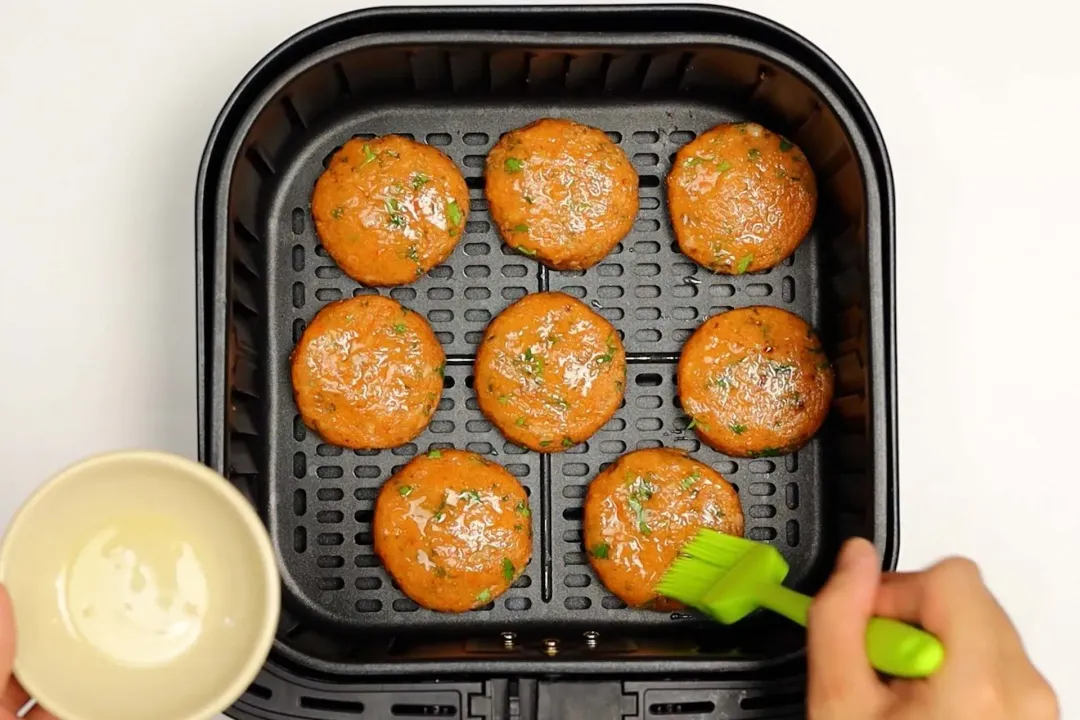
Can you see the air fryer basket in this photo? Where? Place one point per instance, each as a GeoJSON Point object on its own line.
{"type": "Point", "coordinates": [652, 78]}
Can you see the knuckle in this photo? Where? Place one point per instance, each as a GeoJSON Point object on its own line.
{"type": "Point", "coordinates": [958, 568]}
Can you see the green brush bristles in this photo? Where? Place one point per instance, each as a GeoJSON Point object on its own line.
{"type": "Point", "coordinates": [687, 580]}
{"type": "Point", "coordinates": [716, 548]}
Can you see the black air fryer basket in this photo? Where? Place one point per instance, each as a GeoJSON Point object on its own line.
{"type": "Point", "coordinates": [350, 644]}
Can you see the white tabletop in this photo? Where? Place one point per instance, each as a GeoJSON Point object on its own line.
{"type": "Point", "coordinates": [105, 107]}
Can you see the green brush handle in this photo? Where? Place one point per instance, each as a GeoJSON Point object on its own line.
{"type": "Point", "coordinates": [893, 647]}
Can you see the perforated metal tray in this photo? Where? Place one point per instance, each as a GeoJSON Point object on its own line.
{"type": "Point", "coordinates": [457, 80]}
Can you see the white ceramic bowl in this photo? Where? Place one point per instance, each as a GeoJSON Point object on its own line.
{"type": "Point", "coordinates": [144, 586]}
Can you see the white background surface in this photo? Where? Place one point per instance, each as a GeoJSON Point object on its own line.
{"type": "Point", "coordinates": [105, 107]}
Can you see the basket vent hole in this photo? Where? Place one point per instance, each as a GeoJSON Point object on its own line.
{"type": "Point", "coordinates": [300, 539]}
{"type": "Point", "coordinates": [330, 494]}
{"type": "Point", "coordinates": [329, 705]}
{"type": "Point", "coordinates": [762, 533]}
{"type": "Point", "coordinates": [682, 708]}
{"type": "Point", "coordinates": [517, 604]}
{"type": "Point", "coordinates": [612, 603]}
{"type": "Point", "coordinates": [577, 603]}
{"type": "Point", "coordinates": [438, 139]}
{"type": "Point", "coordinates": [423, 710]}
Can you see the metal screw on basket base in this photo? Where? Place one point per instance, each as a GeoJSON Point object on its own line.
{"type": "Point", "coordinates": [551, 647]}
{"type": "Point", "coordinates": [591, 637]}
{"type": "Point", "coordinates": [508, 639]}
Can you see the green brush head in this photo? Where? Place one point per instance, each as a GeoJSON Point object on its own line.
{"type": "Point", "coordinates": [718, 574]}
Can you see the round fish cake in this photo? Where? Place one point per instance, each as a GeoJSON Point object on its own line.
{"type": "Point", "coordinates": [550, 372]}
{"type": "Point", "coordinates": [741, 198]}
{"type": "Point", "coordinates": [561, 192]}
{"type": "Point", "coordinates": [642, 509]}
{"type": "Point", "coordinates": [367, 373]}
{"type": "Point", "coordinates": [389, 209]}
{"type": "Point", "coordinates": [755, 382]}
{"type": "Point", "coordinates": [453, 529]}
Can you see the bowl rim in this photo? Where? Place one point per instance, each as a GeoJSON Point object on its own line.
{"type": "Point", "coordinates": [223, 490]}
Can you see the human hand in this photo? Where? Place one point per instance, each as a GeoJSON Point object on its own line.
{"type": "Point", "coordinates": [12, 697]}
{"type": "Point", "coordinates": [986, 674]}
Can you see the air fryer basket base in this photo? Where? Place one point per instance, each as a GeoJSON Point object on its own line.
{"type": "Point", "coordinates": [322, 498]}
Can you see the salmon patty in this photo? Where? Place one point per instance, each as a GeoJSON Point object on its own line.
{"type": "Point", "coordinates": [389, 209]}
{"type": "Point", "coordinates": [453, 529]}
{"type": "Point", "coordinates": [741, 198]}
{"type": "Point", "coordinates": [642, 509]}
{"type": "Point", "coordinates": [755, 382]}
{"type": "Point", "coordinates": [561, 192]}
{"type": "Point", "coordinates": [549, 372]}
{"type": "Point", "coordinates": [367, 373]}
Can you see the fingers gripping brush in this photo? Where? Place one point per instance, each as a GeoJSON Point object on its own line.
{"type": "Point", "coordinates": [728, 577]}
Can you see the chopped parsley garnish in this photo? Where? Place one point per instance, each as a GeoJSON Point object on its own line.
{"type": "Point", "coordinates": [723, 166]}
{"type": "Point", "coordinates": [722, 383]}
{"type": "Point", "coordinates": [520, 422]}
{"type": "Point", "coordinates": [691, 162]}
{"type": "Point", "coordinates": [600, 550]}
{"type": "Point", "coordinates": [522, 508]}
{"type": "Point", "coordinates": [640, 511]}
{"type": "Point", "coordinates": [404, 490]}
{"type": "Point", "coordinates": [503, 399]}
{"type": "Point", "coordinates": [419, 180]}
{"type": "Point", "coordinates": [528, 199]}
{"type": "Point", "coordinates": [689, 480]}
{"type": "Point", "coordinates": [434, 454]}
{"type": "Point", "coordinates": [337, 212]}
{"type": "Point", "coordinates": [567, 442]}
{"type": "Point", "coordinates": [754, 153]}
{"type": "Point", "coordinates": [440, 512]}
{"type": "Point", "coordinates": [520, 227]}
{"type": "Point", "coordinates": [545, 443]}
{"type": "Point", "coordinates": [513, 165]}
{"type": "Point", "coordinates": [453, 213]}
{"type": "Point", "coordinates": [767, 452]}
{"type": "Point", "coordinates": [441, 369]}
{"type": "Point", "coordinates": [483, 597]}
{"type": "Point", "coordinates": [508, 570]}
{"type": "Point", "coordinates": [559, 403]}
{"type": "Point", "coordinates": [785, 145]}
{"type": "Point", "coordinates": [609, 356]}
{"type": "Point", "coordinates": [472, 495]}
{"type": "Point", "coordinates": [781, 368]}
{"type": "Point", "coordinates": [393, 209]}
{"type": "Point", "coordinates": [368, 155]}
{"type": "Point", "coordinates": [534, 364]}
{"type": "Point", "coordinates": [694, 422]}
{"type": "Point", "coordinates": [744, 263]}
{"type": "Point", "coordinates": [737, 428]}
{"type": "Point", "coordinates": [398, 328]}
{"type": "Point", "coordinates": [413, 254]}
{"type": "Point", "coordinates": [525, 251]}
{"type": "Point", "coordinates": [440, 571]}
{"type": "Point", "coordinates": [781, 174]}
{"type": "Point", "coordinates": [519, 527]}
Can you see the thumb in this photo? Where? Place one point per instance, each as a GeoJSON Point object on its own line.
{"type": "Point", "coordinates": [841, 679]}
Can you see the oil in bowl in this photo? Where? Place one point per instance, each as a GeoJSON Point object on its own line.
{"type": "Point", "coordinates": [144, 585]}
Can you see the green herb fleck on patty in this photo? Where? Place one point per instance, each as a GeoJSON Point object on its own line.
{"type": "Point", "coordinates": [434, 454]}
{"type": "Point", "coordinates": [419, 180]}
{"type": "Point", "coordinates": [744, 263]}
{"type": "Point", "coordinates": [404, 490]}
{"type": "Point", "coordinates": [483, 597]}
{"type": "Point", "coordinates": [600, 551]}
{"type": "Point", "coordinates": [785, 145]}
{"type": "Point", "coordinates": [508, 570]}
{"type": "Point", "coordinates": [737, 428]}
{"type": "Point", "coordinates": [337, 212]}
{"type": "Point", "coordinates": [513, 165]}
